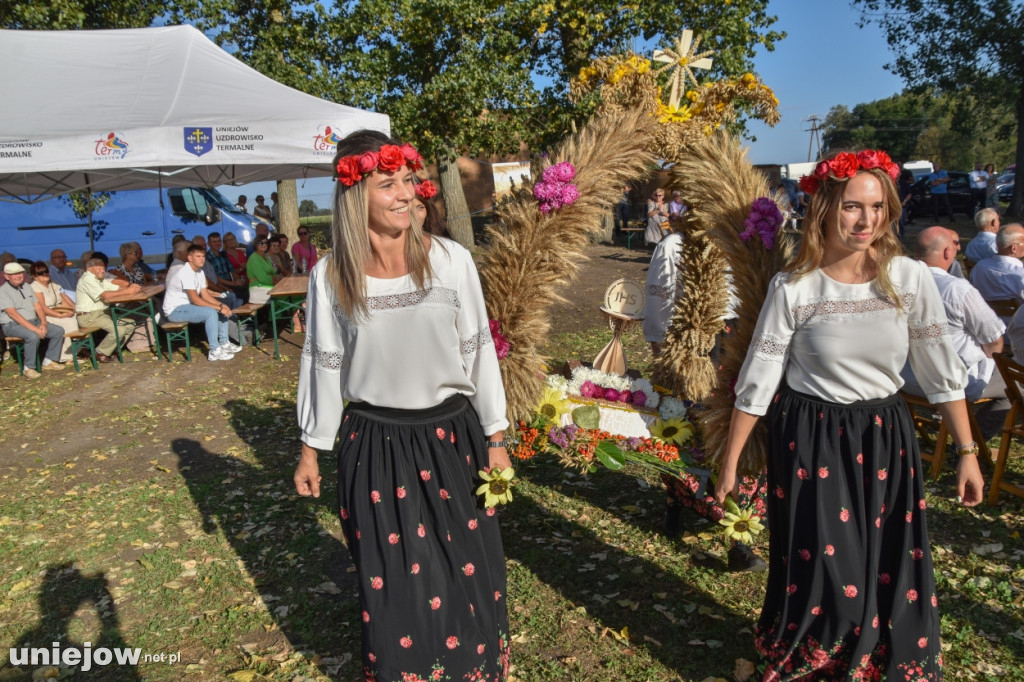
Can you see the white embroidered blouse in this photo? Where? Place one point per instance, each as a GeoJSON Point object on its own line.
{"type": "Point", "coordinates": [415, 348]}
{"type": "Point", "coordinates": [847, 342]}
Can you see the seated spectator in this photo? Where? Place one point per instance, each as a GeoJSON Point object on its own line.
{"type": "Point", "coordinates": [188, 299]}
{"type": "Point", "coordinates": [226, 273]}
{"type": "Point", "coordinates": [261, 272]}
{"type": "Point", "coordinates": [261, 210]}
{"type": "Point", "coordinates": [107, 274]}
{"type": "Point", "coordinates": [22, 315]}
{"type": "Point", "coordinates": [984, 243]}
{"type": "Point", "coordinates": [62, 273]}
{"type": "Point", "coordinates": [240, 204]}
{"type": "Point", "coordinates": [218, 289]}
{"type": "Point", "coordinates": [262, 232]}
{"type": "Point", "coordinates": [236, 254]}
{"type": "Point", "coordinates": [278, 256]}
{"type": "Point", "coordinates": [95, 294]}
{"type": "Point", "coordinates": [178, 257]}
{"type": "Point", "coordinates": [178, 238]}
{"type": "Point", "coordinates": [1015, 335]}
{"type": "Point", "coordinates": [976, 331]}
{"type": "Point", "coordinates": [57, 305]}
{"type": "Point", "coordinates": [1001, 276]}
{"type": "Point", "coordinates": [5, 258]}
{"type": "Point", "coordinates": [285, 255]}
{"type": "Point", "coordinates": [131, 267]}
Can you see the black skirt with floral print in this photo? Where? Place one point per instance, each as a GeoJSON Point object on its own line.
{"type": "Point", "coordinates": [430, 559]}
{"type": "Point", "coordinates": [851, 591]}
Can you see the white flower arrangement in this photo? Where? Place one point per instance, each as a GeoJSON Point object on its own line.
{"type": "Point", "coordinates": [597, 380]}
{"type": "Point", "coordinates": [672, 408]}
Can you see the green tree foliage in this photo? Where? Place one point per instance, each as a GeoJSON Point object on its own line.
{"type": "Point", "coordinates": [307, 207]}
{"type": "Point", "coordinates": [960, 47]}
{"type": "Point", "coordinates": [78, 14]}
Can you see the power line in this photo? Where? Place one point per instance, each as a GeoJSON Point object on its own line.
{"type": "Point", "coordinates": [814, 118]}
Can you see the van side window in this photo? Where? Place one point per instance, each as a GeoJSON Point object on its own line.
{"type": "Point", "coordinates": [188, 203]}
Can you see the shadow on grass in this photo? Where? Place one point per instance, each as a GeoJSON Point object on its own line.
{"type": "Point", "coordinates": [64, 591]}
{"type": "Point", "coordinates": [608, 579]}
{"type": "Point", "coordinates": [298, 568]}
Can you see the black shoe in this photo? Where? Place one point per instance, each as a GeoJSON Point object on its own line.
{"type": "Point", "coordinates": [672, 523]}
{"type": "Point", "coordinates": [742, 558]}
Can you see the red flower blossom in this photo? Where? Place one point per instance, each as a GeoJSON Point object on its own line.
{"type": "Point", "coordinates": [377, 582]}
{"type": "Point", "coordinates": [882, 474]}
{"type": "Point", "coordinates": [874, 622]}
{"type": "Point", "coordinates": [850, 591]}
{"type": "Point", "coordinates": [366, 617]}
{"type": "Point", "coordinates": [805, 554]}
{"type": "Point", "coordinates": [885, 578]}
{"type": "Point", "coordinates": [935, 602]}
{"type": "Point", "coordinates": [375, 496]}
{"type": "Point", "coordinates": [406, 642]}
{"type": "Point", "coordinates": [393, 538]}
{"type": "Point", "coordinates": [435, 603]}
{"type": "Point", "coordinates": [415, 569]}
{"type": "Point", "coordinates": [918, 553]}
{"type": "Point", "coordinates": [424, 475]}
{"type": "Point", "coordinates": [921, 504]}
{"type": "Point", "coordinates": [452, 642]}
{"type": "Point", "coordinates": [412, 157]}
{"type": "Point", "coordinates": [444, 494]}
{"type": "Point", "coordinates": [497, 595]}
{"type": "Point", "coordinates": [816, 611]}
{"type": "Point", "coordinates": [440, 433]}
{"type": "Point", "coordinates": [843, 165]}
{"type": "Point", "coordinates": [480, 649]}
{"type": "Point", "coordinates": [426, 190]}
{"type": "Point", "coordinates": [860, 458]}
{"type": "Point", "coordinates": [472, 523]}
{"type": "Point", "coordinates": [844, 515]}
{"type": "Point", "coordinates": [911, 595]}
{"type": "Point", "coordinates": [802, 474]}
{"type": "Point", "coordinates": [830, 550]}
{"type": "Point", "coordinates": [909, 517]}
{"type": "Point", "coordinates": [400, 492]}
{"type": "Point", "coordinates": [391, 158]}
{"type": "Point", "coordinates": [367, 162]}
{"type": "Point", "coordinates": [922, 642]}
{"type": "Point", "coordinates": [791, 589]}
{"type": "Point", "coordinates": [344, 514]}
{"type": "Point", "coordinates": [421, 531]}
{"type": "Point", "coordinates": [348, 171]}
{"type": "Point", "coordinates": [468, 569]}
{"type": "Point", "coordinates": [822, 472]}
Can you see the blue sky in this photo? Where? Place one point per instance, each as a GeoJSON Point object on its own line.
{"type": "Point", "coordinates": [810, 71]}
{"type": "Point", "coordinates": [813, 69]}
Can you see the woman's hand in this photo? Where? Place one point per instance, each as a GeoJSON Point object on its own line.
{"type": "Point", "coordinates": [498, 458]}
{"type": "Point", "coordinates": [307, 473]}
{"type": "Point", "coordinates": [727, 483]}
{"type": "Point", "coordinates": [970, 485]}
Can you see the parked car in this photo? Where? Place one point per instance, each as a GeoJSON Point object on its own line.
{"type": "Point", "coordinates": [1004, 186]}
{"type": "Point", "coordinates": [960, 198]}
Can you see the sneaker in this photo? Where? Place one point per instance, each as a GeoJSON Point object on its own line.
{"type": "Point", "coordinates": [219, 353]}
{"type": "Point", "coordinates": [232, 347]}
{"type": "Point", "coordinates": [742, 558]}
{"type": "Point", "coordinates": [53, 365]}
{"type": "Point", "coordinates": [30, 373]}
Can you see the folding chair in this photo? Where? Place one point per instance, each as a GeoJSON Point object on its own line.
{"type": "Point", "coordinates": [1013, 376]}
{"type": "Point", "coordinates": [926, 417]}
{"type": "Point", "coordinates": [1004, 307]}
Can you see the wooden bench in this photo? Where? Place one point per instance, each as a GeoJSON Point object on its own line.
{"type": "Point", "coordinates": [247, 310]}
{"type": "Point", "coordinates": [1013, 374]}
{"type": "Point", "coordinates": [82, 339]}
{"type": "Point", "coordinates": [15, 344]}
{"type": "Point", "coordinates": [630, 232]}
{"type": "Point", "coordinates": [176, 331]}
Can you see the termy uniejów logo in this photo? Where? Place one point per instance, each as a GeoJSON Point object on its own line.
{"type": "Point", "coordinates": [113, 147]}
{"type": "Point", "coordinates": [326, 141]}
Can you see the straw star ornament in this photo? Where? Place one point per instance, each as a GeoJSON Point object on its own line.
{"type": "Point", "coordinates": [682, 61]}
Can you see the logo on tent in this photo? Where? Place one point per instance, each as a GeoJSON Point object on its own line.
{"type": "Point", "coordinates": [198, 141]}
{"type": "Point", "coordinates": [113, 147]}
{"type": "Point", "coordinates": [326, 141]}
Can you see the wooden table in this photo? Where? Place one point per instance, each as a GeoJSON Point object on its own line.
{"type": "Point", "coordinates": [137, 304]}
{"type": "Point", "coordinates": [287, 296]}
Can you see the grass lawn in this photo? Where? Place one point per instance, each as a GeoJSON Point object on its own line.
{"type": "Point", "coordinates": [157, 512]}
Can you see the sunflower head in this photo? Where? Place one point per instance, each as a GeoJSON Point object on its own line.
{"type": "Point", "coordinates": [497, 486]}
{"type": "Point", "coordinates": [552, 405]}
{"type": "Point", "coordinates": [741, 526]}
{"type": "Point", "coordinates": [676, 431]}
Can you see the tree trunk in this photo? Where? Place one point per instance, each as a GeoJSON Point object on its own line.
{"type": "Point", "coordinates": [288, 210]}
{"type": "Point", "coordinates": [460, 227]}
{"type": "Point", "coordinates": [1016, 208]}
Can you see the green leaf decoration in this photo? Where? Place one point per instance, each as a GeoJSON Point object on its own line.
{"type": "Point", "coordinates": [730, 505]}
{"type": "Point", "coordinates": [609, 454]}
{"type": "Point", "coordinates": [587, 417]}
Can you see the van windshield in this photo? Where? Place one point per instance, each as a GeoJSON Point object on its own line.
{"type": "Point", "coordinates": [218, 199]}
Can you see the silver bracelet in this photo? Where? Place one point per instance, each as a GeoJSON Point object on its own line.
{"type": "Point", "coordinates": [497, 444]}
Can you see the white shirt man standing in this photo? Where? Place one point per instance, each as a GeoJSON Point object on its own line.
{"type": "Point", "coordinates": [187, 299]}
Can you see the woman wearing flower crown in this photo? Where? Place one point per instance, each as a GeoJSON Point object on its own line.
{"type": "Point", "coordinates": [851, 591]}
{"type": "Point", "coordinates": [396, 325]}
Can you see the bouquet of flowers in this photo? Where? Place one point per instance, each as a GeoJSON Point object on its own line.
{"type": "Point", "coordinates": [593, 384]}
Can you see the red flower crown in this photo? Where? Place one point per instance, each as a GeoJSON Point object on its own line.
{"type": "Point", "coordinates": [426, 190]}
{"type": "Point", "coordinates": [846, 165]}
{"type": "Point", "coordinates": [352, 169]}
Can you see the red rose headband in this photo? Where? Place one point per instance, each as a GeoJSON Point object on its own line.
{"type": "Point", "coordinates": [846, 165]}
{"type": "Point", "coordinates": [352, 169]}
{"type": "Point", "coordinates": [426, 190]}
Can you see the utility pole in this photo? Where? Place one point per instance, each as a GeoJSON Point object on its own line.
{"type": "Point", "coordinates": [815, 136]}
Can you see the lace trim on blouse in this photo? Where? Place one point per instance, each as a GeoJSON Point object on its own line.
{"type": "Point", "coordinates": [661, 292]}
{"type": "Point", "coordinates": [432, 296]}
{"type": "Point", "coordinates": [477, 341]}
{"type": "Point", "coordinates": [928, 334]}
{"type": "Point", "coordinates": [324, 360]}
{"type": "Point", "coordinates": [769, 347]}
{"type": "Point", "coordinates": [802, 314]}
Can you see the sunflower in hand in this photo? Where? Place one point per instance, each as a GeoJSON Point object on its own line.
{"type": "Point", "coordinates": [497, 486]}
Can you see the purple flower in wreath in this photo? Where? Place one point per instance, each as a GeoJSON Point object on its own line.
{"type": "Point", "coordinates": [639, 398]}
{"type": "Point", "coordinates": [560, 172]}
{"type": "Point", "coordinates": [626, 397]}
{"type": "Point", "coordinates": [763, 221]}
{"type": "Point", "coordinates": [554, 190]}
{"type": "Point", "coordinates": [501, 344]}
{"type": "Point", "coordinates": [611, 394]}
{"type": "Point", "coordinates": [598, 393]}
{"type": "Point", "coordinates": [587, 389]}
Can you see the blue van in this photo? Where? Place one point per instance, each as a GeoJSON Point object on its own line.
{"type": "Point", "coordinates": [150, 217]}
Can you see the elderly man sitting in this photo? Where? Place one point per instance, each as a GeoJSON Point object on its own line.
{"type": "Point", "coordinates": [976, 330]}
{"type": "Point", "coordinates": [62, 273]}
{"type": "Point", "coordinates": [984, 243]}
{"type": "Point", "coordinates": [95, 293]}
{"type": "Point", "coordinates": [188, 299]}
{"type": "Point", "coordinates": [1001, 276]}
{"type": "Point", "coordinates": [21, 315]}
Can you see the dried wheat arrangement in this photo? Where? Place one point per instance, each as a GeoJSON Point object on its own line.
{"type": "Point", "coordinates": [721, 184]}
{"type": "Point", "coordinates": [530, 255]}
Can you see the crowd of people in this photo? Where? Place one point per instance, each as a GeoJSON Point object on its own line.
{"type": "Point", "coordinates": [206, 278]}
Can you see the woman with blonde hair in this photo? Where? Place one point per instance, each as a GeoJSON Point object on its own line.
{"type": "Point", "coordinates": [57, 305]}
{"type": "Point", "coordinates": [396, 324]}
{"type": "Point", "coordinates": [851, 589]}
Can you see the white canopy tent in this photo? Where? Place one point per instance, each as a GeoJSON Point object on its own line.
{"type": "Point", "coordinates": [142, 108]}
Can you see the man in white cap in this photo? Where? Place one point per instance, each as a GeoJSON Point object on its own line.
{"type": "Point", "coordinates": [21, 315]}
